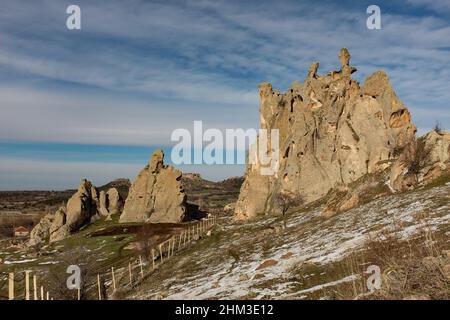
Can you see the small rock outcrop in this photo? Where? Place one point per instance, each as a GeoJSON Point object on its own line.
{"type": "Point", "coordinates": [422, 161]}
{"type": "Point", "coordinates": [156, 195]}
{"type": "Point", "coordinates": [41, 232]}
{"type": "Point", "coordinates": [110, 203]}
{"type": "Point", "coordinates": [114, 201]}
{"type": "Point", "coordinates": [332, 131]}
{"type": "Point", "coordinates": [341, 200]}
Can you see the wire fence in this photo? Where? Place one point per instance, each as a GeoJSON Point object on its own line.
{"type": "Point", "coordinates": [26, 285]}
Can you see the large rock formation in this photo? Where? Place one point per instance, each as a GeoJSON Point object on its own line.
{"type": "Point", "coordinates": [156, 195]}
{"type": "Point", "coordinates": [82, 208]}
{"type": "Point", "coordinates": [332, 131]}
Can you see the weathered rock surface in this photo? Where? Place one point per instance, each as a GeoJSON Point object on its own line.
{"type": "Point", "coordinates": [115, 201]}
{"type": "Point", "coordinates": [156, 195]}
{"type": "Point", "coordinates": [41, 232]}
{"type": "Point", "coordinates": [332, 131]}
{"type": "Point", "coordinates": [103, 205]}
{"type": "Point", "coordinates": [82, 206]}
{"type": "Point", "coordinates": [57, 229]}
{"type": "Point", "coordinates": [342, 200]}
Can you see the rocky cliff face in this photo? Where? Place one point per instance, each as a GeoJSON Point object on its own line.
{"type": "Point", "coordinates": [332, 131]}
{"type": "Point", "coordinates": [156, 195]}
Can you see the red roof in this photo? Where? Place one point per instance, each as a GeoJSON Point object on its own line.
{"type": "Point", "coordinates": [21, 229]}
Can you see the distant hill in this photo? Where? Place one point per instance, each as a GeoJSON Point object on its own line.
{"type": "Point", "coordinates": [211, 196]}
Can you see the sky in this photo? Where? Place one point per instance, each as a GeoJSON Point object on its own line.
{"type": "Point", "coordinates": [94, 103]}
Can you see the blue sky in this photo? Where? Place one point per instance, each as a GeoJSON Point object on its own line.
{"type": "Point", "coordinates": [95, 102]}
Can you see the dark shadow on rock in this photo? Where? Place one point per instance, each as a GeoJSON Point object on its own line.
{"type": "Point", "coordinates": [193, 212]}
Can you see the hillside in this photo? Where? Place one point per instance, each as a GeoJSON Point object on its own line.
{"type": "Point", "coordinates": [317, 258]}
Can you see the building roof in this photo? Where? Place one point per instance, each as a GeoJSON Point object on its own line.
{"type": "Point", "coordinates": [21, 229]}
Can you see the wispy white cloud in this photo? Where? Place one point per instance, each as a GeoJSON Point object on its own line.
{"type": "Point", "coordinates": [34, 115]}
{"type": "Point", "coordinates": [439, 6]}
{"type": "Point", "coordinates": [139, 69]}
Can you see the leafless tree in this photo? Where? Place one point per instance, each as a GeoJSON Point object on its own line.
{"type": "Point", "coordinates": [144, 238]}
{"type": "Point", "coordinates": [286, 200]}
{"type": "Point", "coordinates": [419, 157]}
{"type": "Point", "coordinates": [438, 127]}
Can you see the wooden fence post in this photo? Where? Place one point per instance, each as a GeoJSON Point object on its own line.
{"type": "Point", "coordinates": [130, 274]}
{"type": "Point", "coordinates": [35, 287]}
{"type": "Point", "coordinates": [99, 288]}
{"type": "Point", "coordinates": [160, 252]}
{"type": "Point", "coordinates": [140, 264]}
{"type": "Point", "coordinates": [168, 248]}
{"type": "Point", "coordinates": [79, 294]}
{"type": "Point", "coordinates": [113, 278]}
{"type": "Point", "coordinates": [179, 241]}
{"type": "Point", "coordinates": [153, 258]}
{"type": "Point", "coordinates": [42, 292]}
{"type": "Point", "coordinates": [48, 295]}
{"type": "Point", "coordinates": [11, 286]}
{"type": "Point", "coordinates": [174, 241]}
{"type": "Point", "coordinates": [27, 285]}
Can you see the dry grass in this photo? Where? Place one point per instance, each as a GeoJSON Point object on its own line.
{"type": "Point", "coordinates": [410, 269]}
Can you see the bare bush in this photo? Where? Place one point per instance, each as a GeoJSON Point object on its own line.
{"type": "Point", "coordinates": [419, 157]}
{"type": "Point", "coordinates": [438, 127]}
{"type": "Point", "coordinates": [57, 279]}
{"type": "Point", "coordinates": [286, 200]}
{"type": "Point", "coordinates": [411, 268]}
{"type": "Point", "coordinates": [144, 238]}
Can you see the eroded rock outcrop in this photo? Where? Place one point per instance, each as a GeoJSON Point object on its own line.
{"type": "Point", "coordinates": [84, 207]}
{"type": "Point", "coordinates": [156, 195]}
{"type": "Point", "coordinates": [115, 201]}
{"type": "Point", "coordinates": [41, 232]}
{"type": "Point", "coordinates": [421, 161]}
{"type": "Point", "coordinates": [332, 131]}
